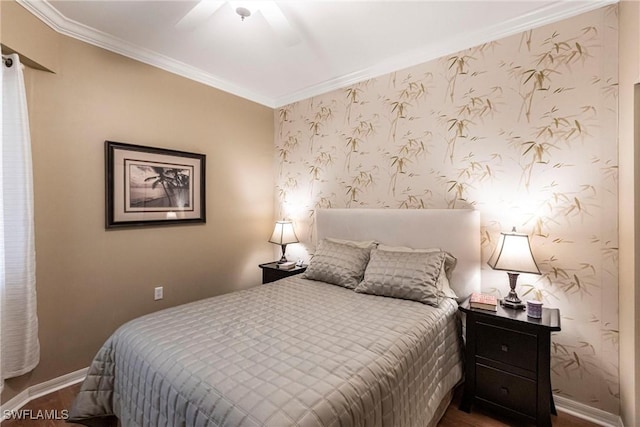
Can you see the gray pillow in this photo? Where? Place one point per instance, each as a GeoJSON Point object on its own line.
{"type": "Point", "coordinates": [445, 274]}
{"type": "Point", "coordinates": [406, 275]}
{"type": "Point", "coordinates": [338, 263]}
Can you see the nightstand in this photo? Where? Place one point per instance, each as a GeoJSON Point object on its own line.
{"type": "Point", "coordinates": [271, 272]}
{"type": "Point", "coordinates": [507, 364]}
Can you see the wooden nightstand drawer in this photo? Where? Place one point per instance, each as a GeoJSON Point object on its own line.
{"type": "Point", "coordinates": [507, 346]}
{"type": "Point", "coordinates": [511, 391]}
{"type": "Point", "coordinates": [508, 362]}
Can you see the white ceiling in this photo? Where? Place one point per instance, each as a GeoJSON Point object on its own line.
{"type": "Point", "coordinates": [330, 44]}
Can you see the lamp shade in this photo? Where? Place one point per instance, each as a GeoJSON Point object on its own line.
{"type": "Point", "coordinates": [513, 253]}
{"type": "Point", "coordinates": [283, 233]}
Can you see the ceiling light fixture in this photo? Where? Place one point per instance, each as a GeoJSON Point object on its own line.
{"type": "Point", "coordinates": [269, 10]}
{"type": "Point", "coordinates": [243, 12]}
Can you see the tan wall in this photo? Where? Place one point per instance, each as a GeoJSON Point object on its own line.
{"type": "Point", "coordinates": [90, 281]}
{"type": "Point", "coordinates": [629, 66]}
{"type": "Point", "coordinates": [36, 43]}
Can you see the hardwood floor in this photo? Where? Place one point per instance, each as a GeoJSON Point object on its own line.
{"type": "Point", "coordinates": [59, 400]}
{"type": "Point", "coordinates": [479, 417]}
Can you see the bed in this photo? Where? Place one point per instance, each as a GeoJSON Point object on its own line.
{"type": "Point", "coordinates": [298, 351]}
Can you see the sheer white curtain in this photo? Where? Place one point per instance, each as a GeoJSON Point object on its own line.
{"type": "Point", "coordinates": [20, 350]}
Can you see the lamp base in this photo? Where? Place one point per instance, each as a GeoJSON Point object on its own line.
{"type": "Point", "coordinates": [512, 305]}
{"type": "Point", "coordinates": [284, 258]}
{"type": "Point", "coordinates": [512, 300]}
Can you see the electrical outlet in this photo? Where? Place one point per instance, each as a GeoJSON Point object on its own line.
{"type": "Point", "coordinates": [158, 293]}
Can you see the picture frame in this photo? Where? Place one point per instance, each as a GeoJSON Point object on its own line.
{"type": "Point", "coordinates": [149, 186]}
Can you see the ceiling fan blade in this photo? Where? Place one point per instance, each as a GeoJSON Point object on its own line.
{"type": "Point", "coordinates": [200, 13]}
{"type": "Point", "coordinates": [280, 24]}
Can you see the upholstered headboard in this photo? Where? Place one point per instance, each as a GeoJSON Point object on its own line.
{"type": "Point", "coordinates": [454, 230]}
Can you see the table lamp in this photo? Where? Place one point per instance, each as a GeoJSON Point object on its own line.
{"type": "Point", "coordinates": [513, 255]}
{"type": "Point", "coordinates": [283, 234]}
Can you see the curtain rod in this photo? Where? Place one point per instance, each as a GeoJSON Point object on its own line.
{"type": "Point", "coordinates": [7, 61]}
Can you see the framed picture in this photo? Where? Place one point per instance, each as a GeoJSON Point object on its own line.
{"type": "Point", "coordinates": [153, 186]}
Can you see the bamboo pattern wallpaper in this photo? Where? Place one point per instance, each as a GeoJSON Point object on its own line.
{"type": "Point", "coordinates": [523, 129]}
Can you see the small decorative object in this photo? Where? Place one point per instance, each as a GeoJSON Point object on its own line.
{"type": "Point", "coordinates": [534, 309]}
{"type": "Point", "coordinates": [513, 255]}
{"type": "Point", "coordinates": [283, 234]}
{"type": "Point", "coordinates": [483, 302]}
{"type": "Point", "coordinates": [153, 186]}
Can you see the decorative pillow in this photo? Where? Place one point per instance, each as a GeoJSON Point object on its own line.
{"type": "Point", "coordinates": [406, 275]}
{"type": "Point", "coordinates": [341, 264]}
{"type": "Point", "coordinates": [449, 263]}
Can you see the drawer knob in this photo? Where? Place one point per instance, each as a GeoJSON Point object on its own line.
{"type": "Point", "coordinates": [504, 390]}
{"type": "Point", "coordinates": [504, 348]}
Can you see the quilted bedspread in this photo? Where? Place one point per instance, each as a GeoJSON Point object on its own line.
{"type": "Point", "coordinates": [294, 352]}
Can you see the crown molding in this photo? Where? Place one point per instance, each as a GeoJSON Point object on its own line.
{"type": "Point", "coordinates": [43, 10]}
{"type": "Point", "coordinates": [542, 16]}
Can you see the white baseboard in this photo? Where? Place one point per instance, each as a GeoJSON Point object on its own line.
{"type": "Point", "coordinates": [577, 409]}
{"type": "Point", "coordinates": [580, 410]}
{"type": "Point", "coordinates": [41, 389]}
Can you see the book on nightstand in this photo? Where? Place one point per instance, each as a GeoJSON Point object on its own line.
{"type": "Point", "coordinates": [483, 302]}
{"type": "Point", "coordinates": [289, 265]}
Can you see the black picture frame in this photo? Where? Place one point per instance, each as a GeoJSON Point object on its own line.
{"type": "Point", "coordinates": [149, 186]}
